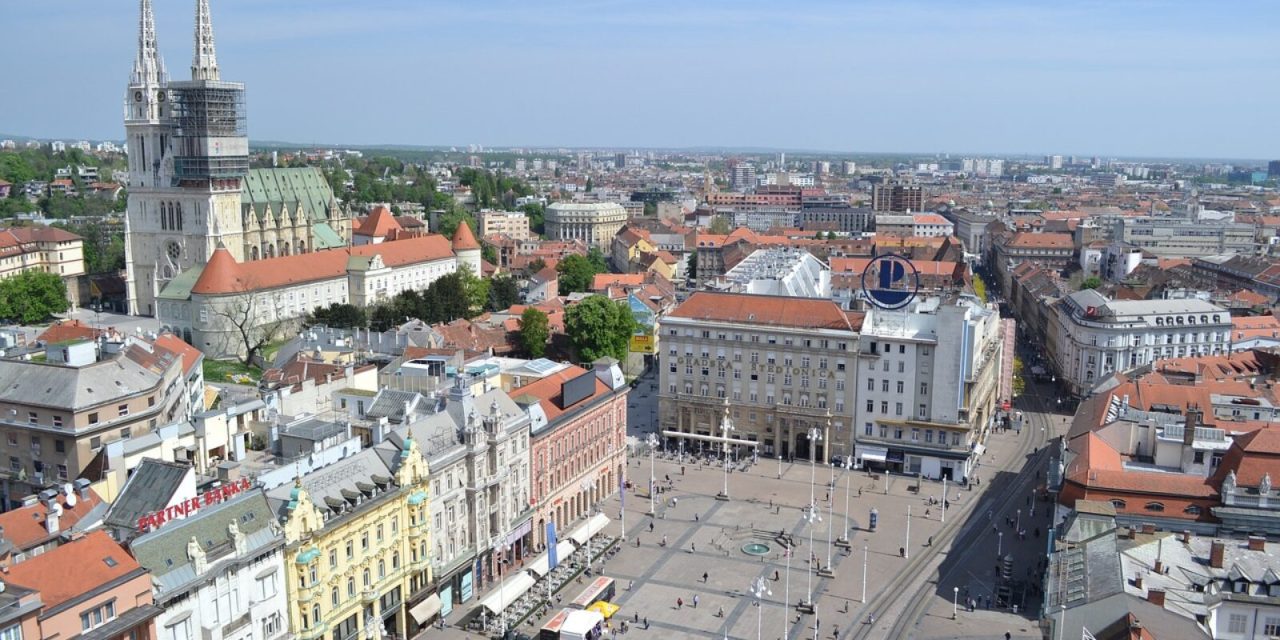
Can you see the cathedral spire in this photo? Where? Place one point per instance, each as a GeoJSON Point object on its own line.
{"type": "Point", "coordinates": [148, 67]}
{"type": "Point", "coordinates": [204, 65]}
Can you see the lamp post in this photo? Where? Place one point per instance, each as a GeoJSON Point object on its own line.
{"type": "Point", "coordinates": [1017, 526]}
{"type": "Point", "coordinates": [864, 574]}
{"type": "Point", "coordinates": [811, 517]}
{"type": "Point", "coordinates": [955, 601]}
{"type": "Point", "coordinates": [787, 592]}
{"type": "Point", "coordinates": [944, 499]}
{"type": "Point", "coordinates": [652, 441]}
{"type": "Point", "coordinates": [779, 466]}
{"type": "Point", "coordinates": [999, 543]}
{"type": "Point", "coordinates": [586, 486]}
{"type": "Point", "coordinates": [759, 588]}
{"type": "Point", "coordinates": [844, 535]}
{"type": "Point", "coordinates": [906, 551]}
{"type": "Point", "coordinates": [831, 518]}
{"type": "Point", "coordinates": [726, 425]}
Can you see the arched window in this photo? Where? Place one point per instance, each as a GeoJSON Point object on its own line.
{"type": "Point", "coordinates": [302, 247]}
{"type": "Point", "coordinates": [1154, 506]}
{"type": "Point", "coordinates": [254, 253]}
{"type": "Point", "coordinates": [1159, 322]}
{"type": "Point", "coordinates": [1192, 510]}
{"type": "Point", "coordinates": [1118, 504]}
{"type": "Point", "coordinates": [365, 578]}
{"type": "Point", "coordinates": [351, 587]}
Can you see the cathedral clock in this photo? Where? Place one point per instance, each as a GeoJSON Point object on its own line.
{"type": "Point", "coordinates": [137, 96]}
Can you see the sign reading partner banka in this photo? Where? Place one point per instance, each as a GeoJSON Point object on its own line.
{"type": "Point", "coordinates": [190, 506]}
{"type": "Point", "coordinates": [890, 281]}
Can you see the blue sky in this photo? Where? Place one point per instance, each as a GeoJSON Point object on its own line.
{"type": "Point", "coordinates": [1191, 79]}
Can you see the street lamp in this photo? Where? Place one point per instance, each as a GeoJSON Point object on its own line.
{"type": "Point", "coordinates": [779, 465]}
{"type": "Point", "coordinates": [652, 441]}
{"type": "Point", "coordinates": [944, 499]}
{"type": "Point", "coordinates": [759, 588]}
{"type": "Point", "coordinates": [999, 543]}
{"type": "Point", "coordinates": [811, 517]}
{"type": "Point", "coordinates": [586, 485]}
{"type": "Point", "coordinates": [955, 601]}
{"type": "Point", "coordinates": [1017, 527]}
{"type": "Point", "coordinates": [906, 550]}
{"type": "Point", "coordinates": [726, 425]}
{"type": "Point", "coordinates": [864, 574]}
{"type": "Point", "coordinates": [848, 480]}
{"type": "Point", "coordinates": [831, 518]}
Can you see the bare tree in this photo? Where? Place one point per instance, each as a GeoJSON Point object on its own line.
{"type": "Point", "coordinates": [249, 319]}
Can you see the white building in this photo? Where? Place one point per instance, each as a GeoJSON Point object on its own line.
{"type": "Point", "coordinates": [1097, 336]}
{"type": "Point", "coordinates": [778, 271]}
{"type": "Point", "coordinates": [209, 303]}
{"type": "Point", "coordinates": [218, 574]}
{"type": "Point", "coordinates": [927, 385]}
{"type": "Point", "coordinates": [783, 365]}
{"type": "Point", "coordinates": [595, 223]}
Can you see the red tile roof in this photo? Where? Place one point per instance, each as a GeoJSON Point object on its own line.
{"type": "Point", "coordinates": [224, 275]}
{"type": "Point", "coordinates": [378, 224]}
{"type": "Point", "coordinates": [464, 239]}
{"type": "Point", "coordinates": [602, 281]}
{"type": "Point", "coordinates": [547, 391]}
{"type": "Point", "coordinates": [64, 330]}
{"type": "Point", "coordinates": [190, 355]}
{"type": "Point", "coordinates": [1025, 240]}
{"type": "Point", "coordinates": [25, 527]}
{"type": "Point", "coordinates": [780, 311]}
{"type": "Point", "coordinates": [74, 569]}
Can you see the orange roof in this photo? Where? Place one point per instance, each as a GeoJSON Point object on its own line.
{"type": "Point", "coordinates": [378, 224]}
{"type": "Point", "coordinates": [25, 527]}
{"type": "Point", "coordinates": [224, 275]}
{"type": "Point", "coordinates": [1041, 240]}
{"type": "Point", "coordinates": [73, 569]}
{"type": "Point", "coordinates": [1254, 327]}
{"type": "Point", "coordinates": [603, 280]}
{"type": "Point", "coordinates": [65, 330]}
{"type": "Point", "coordinates": [782, 311]}
{"type": "Point", "coordinates": [464, 239]}
{"type": "Point", "coordinates": [1099, 466]}
{"type": "Point", "coordinates": [547, 391]}
{"type": "Point", "coordinates": [190, 355]}
{"type": "Point", "coordinates": [925, 267]}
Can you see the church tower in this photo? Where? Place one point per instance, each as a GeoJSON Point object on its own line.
{"type": "Point", "coordinates": [188, 158]}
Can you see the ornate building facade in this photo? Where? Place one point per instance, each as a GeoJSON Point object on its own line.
{"type": "Point", "coordinates": [190, 187]}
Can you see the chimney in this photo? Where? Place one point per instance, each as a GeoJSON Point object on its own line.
{"type": "Point", "coordinates": [1190, 423]}
{"type": "Point", "coordinates": [1148, 528]}
{"type": "Point", "coordinates": [1159, 568]}
{"type": "Point", "coordinates": [1257, 543]}
{"type": "Point", "coordinates": [51, 518]}
{"type": "Point", "coordinates": [1137, 581]}
{"type": "Point", "coordinates": [1156, 597]}
{"type": "Point", "coordinates": [1186, 536]}
{"type": "Point", "coordinates": [1217, 554]}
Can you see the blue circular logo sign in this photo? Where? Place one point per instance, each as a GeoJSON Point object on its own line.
{"type": "Point", "coordinates": [890, 281]}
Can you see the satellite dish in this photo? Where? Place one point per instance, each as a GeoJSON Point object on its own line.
{"type": "Point", "coordinates": [71, 500]}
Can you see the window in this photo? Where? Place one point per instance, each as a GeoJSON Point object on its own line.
{"type": "Point", "coordinates": [334, 597]}
{"type": "Point", "coordinates": [13, 439]}
{"type": "Point", "coordinates": [871, 384]}
{"type": "Point", "coordinates": [271, 625]}
{"type": "Point", "coordinates": [1237, 623]}
{"type": "Point", "coordinates": [871, 406]}
{"type": "Point", "coordinates": [178, 630]}
{"type": "Point", "coordinates": [884, 406]}
{"type": "Point", "coordinates": [122, 410]}
{"type": "Point", "coordinates": [900, 386]}
{"type": "Point", "coordinates": [125, 433]}
{"type": "Point", "coordinates": [58, 445]}
{"type": "Point", "coordinates": [1154, 506]}
{"type": "Point", "coordinates": [1192, 510]}
{"type": "Point", "coordinates": [1118, 504]}
{"type": "Point", "coordinates": [93, 419]}
{"type": "Point", "coordinates": [924, 388]}
{"type": "Point", "coordinates": [267, 585]}
{"type": "Point", "coordinates": [32, 418]}
{"type": "Point", "coordinates": [868, 429]}
{"type": "Point", "coordinates": [884, 385]}
{"type": "Point", "coordinates": [333, 559]}
{"type": "Point", "coordinates": [98, 616]}
{"type": "Point", "coordinates": [897, 408]}
{"type": "Point", "coordinates": [928, 435]}
{"type": "Point", "coordinates": [1270, 627]}
{"type": "Point", "coordinates": [351, 587]}
{"type": "Point", "coordinates": [351, 550]}
{"type": "Point", "coordinates": [364, 542]}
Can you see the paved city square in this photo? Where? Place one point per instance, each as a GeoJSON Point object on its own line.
{"type": "Point", "coordinates": [705, 536]}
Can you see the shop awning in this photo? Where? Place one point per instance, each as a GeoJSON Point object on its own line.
{"type": "Point", "coordinates": [424, 611]}
{"type": "Point", "coordinates": [591, 527]}
{"type": "Point", "coordinates": [874, 454]}
{"type": "Point", "coordinates": [508, 592]}
{"type": "Point", "coordinates": [541, 565]}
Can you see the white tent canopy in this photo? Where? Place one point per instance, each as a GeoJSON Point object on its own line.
{"type": "Point", "coordinates": [591, 527]}
{"type": "Point", "coordinates": [542, 564]}
{"type": "Point", "coordinates": [508, 592]}
{"type": "Point", "coordinates": [427, 609]}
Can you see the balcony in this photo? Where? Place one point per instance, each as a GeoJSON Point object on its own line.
{"type": "Point", "coordinates": [309, 593]}
{"type": "Point", "coordinates": [230, 628]}
{"type": "Point", "coordinates": [368, 595]}
{"type": "Point", "coordinates": [316, 632]}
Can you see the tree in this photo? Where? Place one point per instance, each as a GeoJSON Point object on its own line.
{"type": "Point", "coordinates": [1019, 384]}
{"type": "Point", "coordinates": [719, 226]}
{"type": "Point", "coordinates": [575, 274]}
{"type": "Point", "coordinates": [600, 327]}
{"type": "Point", "coordinates": [249, 318]}
{"type": "Point", "coordinates": [503, 292]}
{"type": "Point", "coordinates": [1092, 282]}
{"type": "Point", "coordinates": [488, 253]}
{"type": "Point", "coordinates": [339, 315]}
{"type": "Point", "coordinates": [590, 185]}
{"type": "Point", "coordinates": [692, 271]}
{"type": "Point", "coordinates": [536, 265]}
{"type": "Point", "coordinates": [477, 291]}
{"type": "Point", "coordinates": [536, 214]}
{"type": "Point", "coordinates": [449, 223]}
{"type": "Point", "coordinates": [598, 263]}
{"type": "Point", "coordinates": [535, 331]}
{"type": "Point", "coordinates": [980, 287]}
{"type": "Point", "coordinates": [32, 296]}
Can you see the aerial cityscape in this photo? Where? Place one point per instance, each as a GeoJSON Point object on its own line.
{"type": "Point", "coordinates": [562, 335]}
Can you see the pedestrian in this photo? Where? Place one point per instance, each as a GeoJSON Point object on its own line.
{"type": "Point", "coordinates": [651, 527]}
{"type": "Point", "coordinates": [679, 603]}
{"type": "Point", "coordinates": [695, 601]}
{"type": "Point", "coordinates": [693, 547]}
{"type": "Point", "coordinates": [637, 617]}
{"type": "Point", "coordinates": [720, 611]}
{"type": "Point", "coordinates": [646, 623]}
{"type": "Point", "coordinates": [704, 577]}
{"type": "Point", "coordinates": [775, 575]}
{"type": "Point", "coordinates": [902, 551]}
{"type": "Point", "coordinates": [695, 517]}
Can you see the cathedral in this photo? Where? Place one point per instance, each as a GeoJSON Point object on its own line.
{"type": "Point", "coordinates": [191, 190]}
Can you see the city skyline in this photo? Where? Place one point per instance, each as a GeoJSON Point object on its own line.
{"type": "Point", "coordinates": [994, 78]}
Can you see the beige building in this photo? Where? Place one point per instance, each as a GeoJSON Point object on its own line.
{"type": "Point", "coordinates": [56, 416]}
{"type": "Point", "coordinates": [781, 366]}
{"type": "Point", "coordinates": [45, 249]}
{"type": "Point", "coordinates": [510, 223]}
{"type": "Point", "coordinates": [594, 223]}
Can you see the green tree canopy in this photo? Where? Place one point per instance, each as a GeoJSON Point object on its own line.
{"type": "Point", "coordinates": [575, 274]}
{"type": "Point", "coordinates": [980, 287]}
{"type": "Point", "coordinates": [598, 263]}
{"type": "Point", "coordinates": [32, 296]}
{"type": "Point", "coordinates": [719, 226]}
{"type": "Point", "coordinates": [338, 315]}
{"type": "Point", "coordinates": [536, 214]}
{"type": "Point", "coordinates": [600, 327]}
{"type": "Point", "coordinates": [503, 292]}
{"type": "Point", "coordinates": [449, 223]}
{"type": "Point", "coordinates": [1092, 282]}
{"type": "Point", "coordinates": [535, 331]}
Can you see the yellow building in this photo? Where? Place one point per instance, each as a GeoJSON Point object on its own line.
{"type": "Point", "coordinates": [357, 537]}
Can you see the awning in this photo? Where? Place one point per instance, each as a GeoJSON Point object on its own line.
{"type": "Point", "coordinates": [874, 454]}
{"type": "Point", "coordinates": [508, 592]}
{"type": "Point", "coordinates": [591, 527]}
{"type": "Point", "coordinates": [541, 565]}
{"type": "Point", "coordinates": [424, 611]}
{"type": "Point", "coordinates": [979, 449]}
